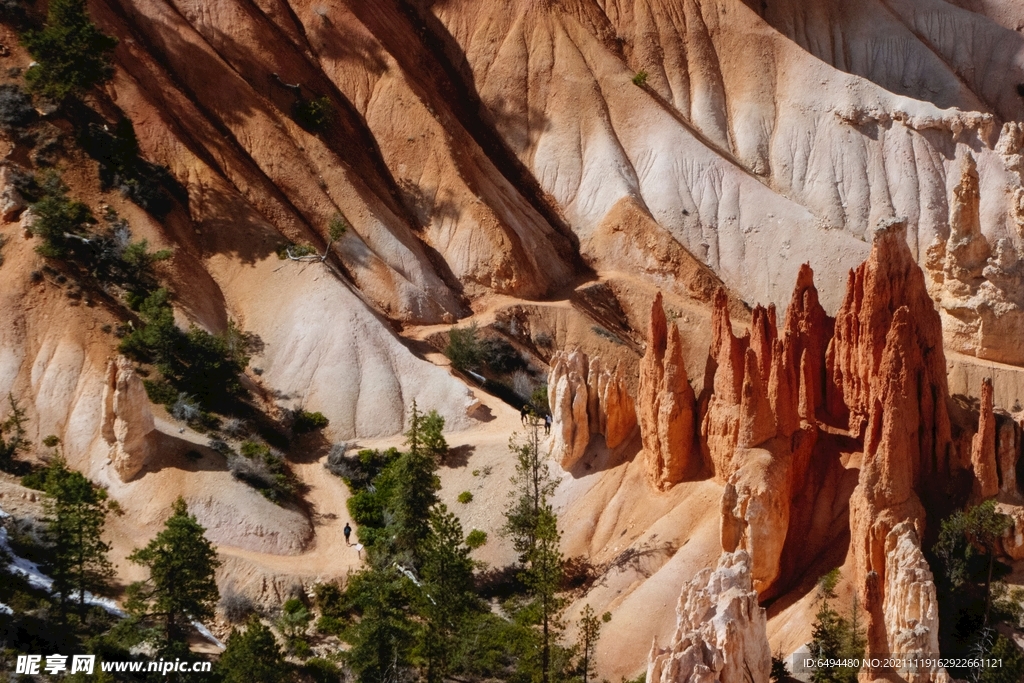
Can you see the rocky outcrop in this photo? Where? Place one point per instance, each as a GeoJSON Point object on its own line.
{"type": "Point", "coordinates": [1008, 445]}
{"type": "Point", "coordinates": [979, 286]}
{"type": "Point", "coordinates": [127, 419]}
{"type": "Point", "coordinates": [721, 424]}
{"type": "Point", "coordinates": [720, 632]}
{"type": "Point", "coordinates": [11, 201]}
{"type": "Point", "coordinates": [983, 447]}
{"type": "Point", "coordinates": [666, 406]}
{"type": "Point", "coordinates": [586, 398]}
{"type": "Point", "coordinates": [910, 605]}
{"type": "Point", "coordinates": [887, 365]}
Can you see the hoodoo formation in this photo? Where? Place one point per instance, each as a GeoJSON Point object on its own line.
{"type": "Point", "coordinates": [514, 337]}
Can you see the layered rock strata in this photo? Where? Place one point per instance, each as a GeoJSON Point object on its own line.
{"type": "Point", "coordinates": [127, 419]}
{"type": "Point", "coordinates": [721, 631]}
{"type": "Point", "coordinates": [587, 398]}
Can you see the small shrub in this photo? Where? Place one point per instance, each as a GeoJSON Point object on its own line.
{"type": "Point", "coordinates": [463, 348]}
{"type": "Point", "coordinates": [237, 607]}
{"type": "Point", "coordinates": [235, 427]}
{"type": "Point", "coordinates": [322, 671]}
{"type": "Point", "coordinates": [465, 497]}
{"type": "Point", "coordinates": [476, 538]}
{"type": "Point", "coordinates": [305, 422]}
{"type": "Point", "coordinates": [501, 357]}
{"type": "Point", "coordinates": [313, 115]}
{"type": "Point", "coordinates": [35, 480]}
{"type": "Point", "coordinates": [160, 392]}
{"type": "Point", "coordinates": [265, 470]}
{"type": "Point", "coordinates": [640, 79]}
{"type": "Point", "coordinates": [522, 383]}
{"type": "Point", "coordinates": [115, 508]}
{"type": "Point", "coordinates": [16, 110]}
{"type": "Point", "coordinates": [185, 409]}
{"type": "Point", "coordinates": [296, 250]}
{"type": "Point", "coordinates": [544, 340]}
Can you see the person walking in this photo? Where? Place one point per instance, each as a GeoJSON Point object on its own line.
{"type": "Point", "coordinates": [547, 423]}
{"type": "Point", "coordinates": [524, 412]}
{"type": "Point", "coordinates": [348, 532]}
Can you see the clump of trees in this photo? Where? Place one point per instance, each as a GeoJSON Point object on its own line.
{"type": "Point", "coordinates": [76, 512]}
{"type": "Point", "coordinates": [967, 550]}
{"type": "Point", "coordinates": [71, 54]}
{"type": "Point", "coordinates": [418, 611]}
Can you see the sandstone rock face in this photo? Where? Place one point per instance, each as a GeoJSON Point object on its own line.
{"type": "Point", "coordinates": [910, 606]}
{"type": "Point", "coordinates": [886, 362]}
{"type": "Point", "coordinates": [721, 424]}
{"type": "Point", "coordinates": [586, 398]}
{"type": "Point", "coordinates": [666, 406]}
{"type": "Point", "coordinates": [983, 447]}
{"type": "Point", "coordinates": [979, 285]}
{"type": "Point", "coordinates": [721, 634]}
{"type": "Point", "coordinates": [570, 424]}
{"type": "Point", "coordinates": [1013, 540]}
{"type": "Point", "coordinates": [1008, 445]}
{"type": "Point", "coordinates": [127, 419]}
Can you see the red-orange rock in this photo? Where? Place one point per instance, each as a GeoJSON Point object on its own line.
{"type": "Point", "coordinates": [983, 447]}
{"type": "Point", "coordinates": [666, 406]}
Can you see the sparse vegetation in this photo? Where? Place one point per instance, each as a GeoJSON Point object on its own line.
{"type": "Point", "coordinates": [16, 110]}
{"type": "Point", "coordinates": [265, 469]}
{"type": "Point", "coordinates": [13, 435]}
{"type": "Point", "coordinates": [465, 497]}
{"type": "Point", "coordinates": [640, 78]}
{"type": "Point", "coordinates": [313, 114]}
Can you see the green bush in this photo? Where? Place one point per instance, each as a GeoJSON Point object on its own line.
{"type": "Point", "coordinates": [640, 79]}
{"type": "Point", "coordinates": [463, 348]}
{"type": "Point", "coordinates": [313, 115]}
{"type": "Point", "coordinates": [71, 54]}
{"type": "Point", "coordinates": [465, 497]}
{"type": "Point", "coordinates": [476, 538]}
{"type": "Point", "coordinates": [322, 671]}
{"type": "Point", "coordinates": [305, 422]}
{"type": "Point", "coordinates": [58, 218]}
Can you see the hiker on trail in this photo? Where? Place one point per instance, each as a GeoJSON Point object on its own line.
{"type": "Point", "coordinates": [524, 412]}
{"type": "Point", "coordinates": [348, 532]}
{"type": "Point", "coordinates": [547, 423]}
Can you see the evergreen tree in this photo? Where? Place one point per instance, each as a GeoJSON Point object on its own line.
{"type": "Point", "coordinates": [76, 512]}
{"type": "Point", "coordinates": [447, 598]}
{"type": "Point", "coordinates": [181, 585]}
{"type": "Point", "coordinates": [252, 656]}
{"type": "Point", "coordinates": [382, 639]}
{"type": "Point", "coordinates": [589, 630]}
{"type": "Point", "coordinates": [531, 487]}
{"type": "Point", "coordinates": [12, 435]}
{"type": "Point", "coordinates": [967, 536]}
{"type": "Point", "coordinates": [71, 54]}
{"type": "Point", "coordinates": [834, 636]}
{"type": "Point", "coordinates": [432, 436]}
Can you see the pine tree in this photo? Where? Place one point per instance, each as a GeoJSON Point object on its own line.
{"type": "Point", "coordinates": [76, 512]}
{"type": "Point", "coordinates": [252, 656]}
{"type": "Point", "coordinates": [834, 636]}
{"type": "Point", "coordinates": [382, 640]}
{"type": "Point", "coordinates": [181, 585]}
{"type": "Point", "coordinates": [12, 435]}
{"type": "Point", "coordinates": [447, 598]}
{"type": "Point", "coordinates": [589, 630]}
{"type": "Point", "coordinates": [71, 54]}
{"type": "Point", "coordinates": [531, 487]}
